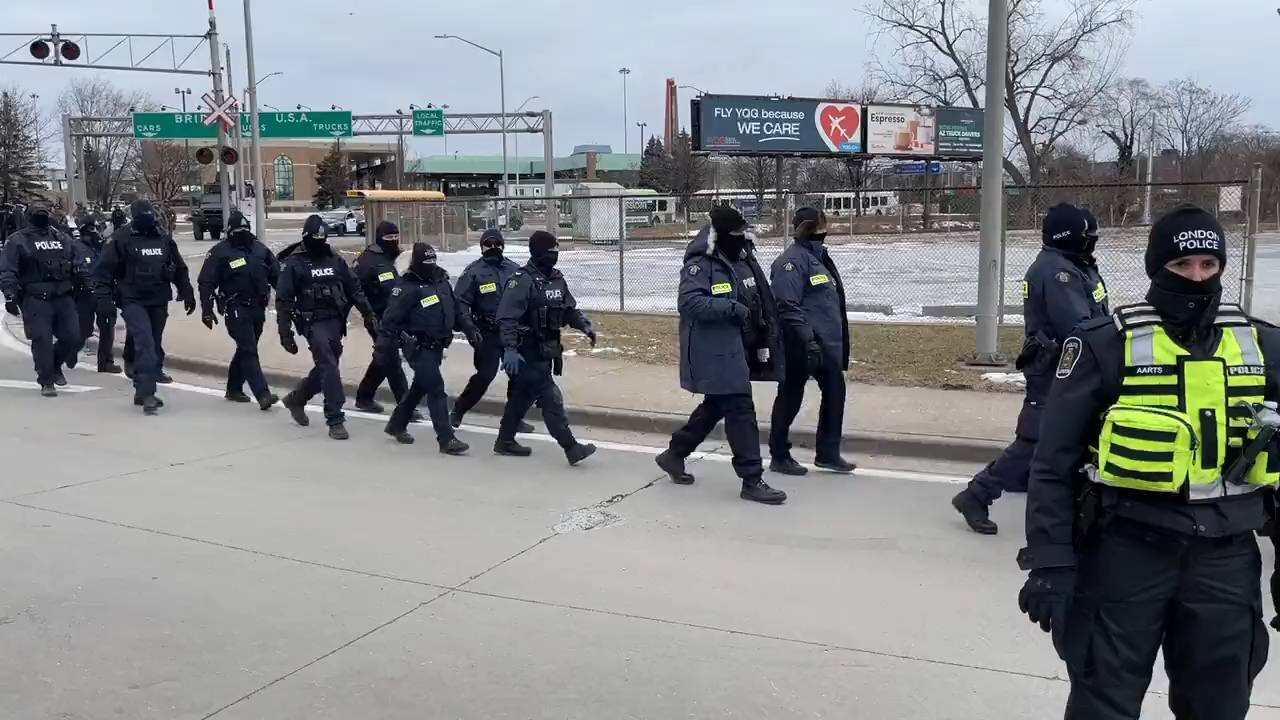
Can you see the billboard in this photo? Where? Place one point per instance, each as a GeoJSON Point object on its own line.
{"type": "Point", "coordinates": [959, 132]}
{"type": "Point", "coordinates": [905, 130]}
{"type": "Point", "coordinates": [744, 124]}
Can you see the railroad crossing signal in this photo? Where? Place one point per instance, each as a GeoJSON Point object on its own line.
{"type": "Point", "coordinates": [221, 113]}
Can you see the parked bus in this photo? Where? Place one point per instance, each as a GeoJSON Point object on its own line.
{"type": "Point", "coordinates": [874, 202]}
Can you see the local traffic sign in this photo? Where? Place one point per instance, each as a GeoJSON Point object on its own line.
{"type": "Point", "coordinates": [428, 122]}
{"type": "Point", "coordinates": [300, 124]}
{"type": "Point", "coordinates": [917, 168]}
{"type": "Point", "coordinates": [172, 126]}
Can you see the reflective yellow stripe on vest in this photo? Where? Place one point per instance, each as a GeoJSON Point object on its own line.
{"type": "Point", "coordinates": [1177, 424]}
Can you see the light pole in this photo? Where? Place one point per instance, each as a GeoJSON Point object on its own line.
{"type": "Point", "coordinates": [528, 100]}
{"type": "Point", "coordinates": [255, 133]}
{"type": "Point", "coordinates": [186, 144]}
{"type": "Point", "coordinates": [300, 106]}
{"type": "Point", "coordinates": [624, 72]}
{"type": "Point", "coordinates": [642, 126]}
{"type": "Point", "coordinates": [502, 100]}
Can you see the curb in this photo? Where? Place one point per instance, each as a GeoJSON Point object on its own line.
{"type": "Point", "coordinates": [925, 447]}
{"type": "Point", "coordinates": [928, 447]}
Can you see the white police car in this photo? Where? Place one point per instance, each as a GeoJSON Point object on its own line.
{"type": "Point", "coordinates": [341, 221]}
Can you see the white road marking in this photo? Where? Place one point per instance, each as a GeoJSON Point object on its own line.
{"type": "Point", "coordinates": [29, 385]}
{"type": "Point", "coordinates": [7, 340]}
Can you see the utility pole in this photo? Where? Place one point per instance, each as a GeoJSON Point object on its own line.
{"type": "Point", "coordinates": [624, 72]}
{"type": "Point", "coordinates": [260, 204]}
{"type": "Point", "coordinates": [239, 185]}
{"type": "Point", "coordinates": [1151, 164]}
{"type": "Point", "coordinates": [990, 287]}
{"type": "Point", "coordinates": [215, 67]}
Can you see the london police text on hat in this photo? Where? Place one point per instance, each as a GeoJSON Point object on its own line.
{"type": "Point", "coordinates": [1198, 240]}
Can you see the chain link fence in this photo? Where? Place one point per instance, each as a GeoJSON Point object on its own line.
{"type": "Point", "coordinates": [904, 254]}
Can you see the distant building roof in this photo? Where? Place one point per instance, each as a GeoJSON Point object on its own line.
{"type": "Point", "coordinates": [492, 164]}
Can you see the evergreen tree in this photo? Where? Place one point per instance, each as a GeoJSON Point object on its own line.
{"type": "Point", "coordinates": [21, 169]}
{"type": "Point", "coordinates": [331, 180]}
{"type": "Point", "coordinates": [654, 169]}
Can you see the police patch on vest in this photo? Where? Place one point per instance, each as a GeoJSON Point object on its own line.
{"type": "Point", "coordinates": [237, 263]}
{"type": "Point", "coordinates": [694, 270]}
{"type": "Point", "coordinates": [721, 288]}
{"type": "Point", "coordinates": [1063, 277]}
{"type": "Point", "coordinates": [1100, 293]}
{"type": "Point", "coordinates": [749, 282]}
{"type": "Point", "coordinates": [1026, 289]}
{"type": "Point", "coordinates": [1247, 370]}
{"type": "Point", "coordinates": [322, 272]}
{"type": "Point", "coordinates": [1070, 356]}
{"type": "Point", "coordinates": [487, 288]}
{"type": "Point", "coordinates": [384, 277]}
{"type": "Point", "coordinates": [1149, 370]}
{"type": "Point", "coordinates": [430, 300]}
{"type": "Point", "coordinates": [816, 280]}
{"type": "Point", "coordinates": [48, 245]}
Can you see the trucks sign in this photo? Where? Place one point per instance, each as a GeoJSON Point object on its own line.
{"type": "Point", "coordinates": [749, 124]}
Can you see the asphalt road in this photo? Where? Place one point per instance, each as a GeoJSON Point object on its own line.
{"type": "Point", "coordinates": [218, 561]}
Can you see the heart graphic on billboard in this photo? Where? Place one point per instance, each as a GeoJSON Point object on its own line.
{"type": "Point", "coordinates": [840, 126]}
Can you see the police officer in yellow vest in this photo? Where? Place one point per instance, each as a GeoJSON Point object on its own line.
{"type": "Point", "coordinates": [1156, 464]}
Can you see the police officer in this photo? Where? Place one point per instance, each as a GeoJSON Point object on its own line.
{"type": "Point", "coordinates": [38, 275]}
{"type": "Point", "coordinates": [1155, 466]}
{"type": "Point", "coordinates": [478, 291]}
{"type": "Point", "coordinates": [533, 309]}
{"type": "Point", "coordinates": [729, 336]}
{"type": "Point", "coordinates": [118, 219]}
{"type": "Point", "coordinates": [236, 278]}
{"type": "Point", "coordinates": [1061, 289]}
{"type": "Point", "coordinates": [144, 263]}
{"type": "Point", "coordinates": [315, 293]}
{"type": "Point", "coordinates": [376, 269]}
{"type": "Point", "coordinates": [420, 320]}
{"type": "Point", "coordinates": [811, 305]}
{"type": "Point", "coordinates": [91, 316]}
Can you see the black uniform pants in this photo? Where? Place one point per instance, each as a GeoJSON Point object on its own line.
{"type": "Point", "coordinates": [428, 383]}
{"type": "Point", "coordinates": [487, 359]}
{"type": "Point", "coordinates": [145, 327]}
{"type": "Point", "coordinates": [54, 329]}
{"type": "Point", "coordinates": [1139, 589]}
{"type": "Point", "coordinates": [1010, 471]}
{"type": "Point", "coordinates": [382, 367]}
{"type": "Point", "coordinates": [87, 308]}
{"type": "Point", "coordinates": [786, 406]}
{"type": "Point", "coordinates": [324, 337]}
{"type": "Point", "coordinates": [534, 384]}
{"type": "Point", "coordinates": [244, 325]}
{"type": "Point", "coordinates": [740, 427]}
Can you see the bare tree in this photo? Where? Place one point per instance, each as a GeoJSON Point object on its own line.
{"type": "Point", "coordinates": [753, 173]}
{"type": "Point", "coordinates": [1055, 69]}
{"type": "Point", "coordinates": [164, 170]}
{"type": "Point", "coordinates": [1194, 119]}
{"type": "Point", "coordinates": [115, 160]}
{"type": "Point", "coordinates": [686, 172]}
{"type": "Point", "coordinates": [1125, 113]}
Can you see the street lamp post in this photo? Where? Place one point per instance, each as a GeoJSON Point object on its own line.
{"type": "Point", "coordinates": [186, 144]}
{"type": "Point", "coordinates": [624, 72]}
{"type": "Point", "coordinates": [530, 99]}
{"type": "Point", "coordinates": [502, 99]}
{"type": "Point", "coordinates": [642, 126]}
{"type": "Point", "coordinates": [255, 133]}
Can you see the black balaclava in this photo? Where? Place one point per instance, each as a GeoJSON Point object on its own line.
{"type": "Point", "coordinates": [238, 229]}
{"type": "Point", "coordinates": [39, 217]}
{"type": "Point", "coordinates": [544, 251]}
{"type": "Point", "coordinates": [731, 231]}
{"type": "Point", "coordinates": [315, 236]}
{"type": "Point", "coordinates": [387, 238]}
{"type": "Point", "coordinates": [1066, 228]}
{"type": "Point", "coordinates": [1090, 235]}
{"type": "Point", "coordinates": [1188, 307]}
{"type": "Point", "coordinates": [810, 224]}
{"type": "Point", "coordinates": [144, 217]}
{"type": "Point", "coordinates": [422, 261]}
{"type": "Point", "coordinates": [492, 244]}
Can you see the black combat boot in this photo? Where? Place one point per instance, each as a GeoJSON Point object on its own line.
{"type": "Point", "coordinates": [59, 379]}
{"type": "Point", "coordinates": [163, 378]}
{"type": "Point", "coordinates": [787, 466]}
{"type": "Point", "coordinates": [238, 396]}
{"type": "Point", "coordinates": [579, 452]}
{"type": "Point", "coordinates": [975, 512]}
{"type": "Point", "coordinates": [339, 432]}
{"type": "Point", "coordinates": [757, 490]}
{"type": "Point", "coordinates": [48, 391]}
{"type": "Point", "coordinates": [455, 418]}
{"type": "Point", "coordinates": [140, 401]}
{"type": "Point", "coordinates": [525, 427]}
{"type": "Point", "coordinates": [402, 436]}
{"type": "Point", "coordinates": [674, 466]}
{"type": "Point", "coordinates": [296, 409]}
{"type": "Point", "coordinates": [836, 464]}
{"type": "Point", "coordinates": [370, 406]}
{"type": "Point", "coordinates": [454, 446]}
{"type": "Point", "coordinates": [110, 368]}
{"type": "Point", "coordinates": [510, 447]}
{"type": "Point", "coordinates": [151, 405]}
{"type": "Point", "coordinates": [266, 402]}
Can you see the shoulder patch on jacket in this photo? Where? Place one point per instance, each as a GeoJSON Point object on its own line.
{"type": "Point", "coordinates": [694, 270]}
{"type": "Point", "coordinates": [512, 283]}
{"type": "Point", "coordinates": [395, 291]}
{"type": "Point", "coordinates": [1071, 350]}
{"type": "Point", "coordinates": [789, 266]}
{"type": "Point", "coordinates": [1063, 276]}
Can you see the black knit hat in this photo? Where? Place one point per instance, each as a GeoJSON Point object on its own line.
{"type": "Point", "coordinates": [492, 236]}
{"type": "Point", "coordinates": [542, 242]}
{"type": "Point", "coordinates": [386, 228]}
{"type": "Point", "coordinates": [1186, 230]}
{"type": "Point", "coordinates": [236, 220]}
{"type": "Point", "coordinates": [314, 227]}
{"type": "Point", "coordinates": [727, 221]}
{"type": "Point", "coordinates": [1065, 227]}
{"type": "Point", "coordinates": [423, 253]}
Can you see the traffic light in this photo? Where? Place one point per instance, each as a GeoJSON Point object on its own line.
{"type": "Point", "coordinates": [229, 155]}
{"type": "Point", "coordinates": [204, 155]}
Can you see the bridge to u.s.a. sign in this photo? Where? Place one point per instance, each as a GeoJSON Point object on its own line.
{"type": "Point", "coordinates": [303, 124]}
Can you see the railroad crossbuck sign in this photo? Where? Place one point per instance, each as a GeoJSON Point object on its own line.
{"type": "Point", "coordinates": [221, 113]}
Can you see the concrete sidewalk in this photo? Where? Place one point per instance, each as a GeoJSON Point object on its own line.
{"type": "Point", "coordinates": [966, 426]}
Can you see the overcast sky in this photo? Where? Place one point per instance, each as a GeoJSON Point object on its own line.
{"type": "Point", "coordinates": [379, 55]}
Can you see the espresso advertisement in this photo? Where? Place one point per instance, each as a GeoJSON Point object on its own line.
{"type": "Point", "coordinates": [904, 130]}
